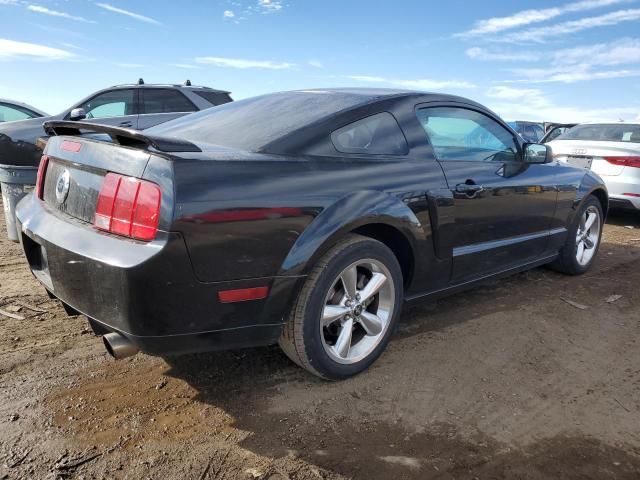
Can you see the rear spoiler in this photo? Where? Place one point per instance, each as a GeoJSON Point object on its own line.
{"type": "Point", "coordinates": [121, 136]}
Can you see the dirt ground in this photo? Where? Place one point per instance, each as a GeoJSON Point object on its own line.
{"type": "Point", "coordinates": [510, 380]}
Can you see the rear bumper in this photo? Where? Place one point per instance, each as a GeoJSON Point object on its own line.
{"type": "Point", "coordinates": [620, 185]}
{"type": "Point", "coordinates": [146, 291]}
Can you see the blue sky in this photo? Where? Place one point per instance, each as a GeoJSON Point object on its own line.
{"type": "Point", "coordinates": [543, 60]}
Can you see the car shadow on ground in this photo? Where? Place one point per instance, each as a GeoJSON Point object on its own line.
{"type": "Point", "coordinates": [246, 384]}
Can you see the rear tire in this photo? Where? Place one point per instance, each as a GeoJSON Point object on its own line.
{"type": "Point", "coordinates": [347, 309]}
{"type": "Point", "coordinates": [583, 239]}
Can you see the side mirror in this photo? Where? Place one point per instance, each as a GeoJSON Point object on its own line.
{"type": "Point", "coordinates": [77, 114]}
{"type": "Point", "coordinates": [537, 153]}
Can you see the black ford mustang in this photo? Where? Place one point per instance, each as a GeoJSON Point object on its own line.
{"type": "Point", "coordinates": [306, 218]}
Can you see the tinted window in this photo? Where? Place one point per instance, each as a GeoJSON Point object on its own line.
{"type": "Point", "coordinates": [378, 134]}
{"type": "Point", "coordinates": [460, 134]}
{"type": "Point", "coordinates": [604, 133]}
{"type": "Point", "coordinates": [555, 133]}
{"type": "Point", "coordinates": [538, 132]}
{"type": "Point", "coordinates": [165, 101]}
{"type": "Point", "coordinates": [253, 123]}
{"type": "Point", "coordinates": [11, 113]}
{"type": "Point", "coordinates": [214, 98]}
{"type": "Point", "coordinates": [115, 103]}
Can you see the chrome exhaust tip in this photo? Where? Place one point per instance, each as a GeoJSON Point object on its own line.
{"type": "Point", "coordinates": [118, 346]}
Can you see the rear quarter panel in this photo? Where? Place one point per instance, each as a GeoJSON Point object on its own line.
{"type": "Point", "coordinates": [272, 215]}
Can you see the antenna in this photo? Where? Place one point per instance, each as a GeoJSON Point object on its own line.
{"type": "Point", "coordinates": [187, 83]}
{"type": "Point", "coordinates": [140, 81]}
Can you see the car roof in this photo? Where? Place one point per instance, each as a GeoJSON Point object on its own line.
{"type": "Point", "coordinates": [166, 85]}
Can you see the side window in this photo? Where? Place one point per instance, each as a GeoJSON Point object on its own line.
{"type": "Point", "coordinates": [461, 134]}
{"type": "Point", "coordinates": [378, 134]}
{"type": "Point", "coordinates": [539, 132]}
{"type": "Point", "coordinates": [116, 103]}
{"type": "Point", "coordinates": [10, 114]}
{"type": "Point", "coordinates": [164, 100]}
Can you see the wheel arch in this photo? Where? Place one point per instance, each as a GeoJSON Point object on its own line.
{"type": "Point", "coordinates": [376, 215]}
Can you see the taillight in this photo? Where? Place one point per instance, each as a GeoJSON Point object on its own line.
{"type": "Point", "coordinates": [128, 206]}
{"type": "Point", "coordinates": [624, 161]}
{"type": "Point", "coordinates": [42, 169]}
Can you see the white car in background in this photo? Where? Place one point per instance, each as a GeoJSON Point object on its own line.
{"type": "Point", "coordinates": [612, 150]}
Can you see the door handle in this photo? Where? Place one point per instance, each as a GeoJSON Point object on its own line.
{"type": "Point", "coordinates": [125, 124]}
{"type": "Point", "coordinates": [469, 189]}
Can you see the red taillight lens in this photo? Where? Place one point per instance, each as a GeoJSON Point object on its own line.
{"type": "Point", "coordinates": [624, 161]}
{"type": "Point", "coordinates": [128, 206]}
{"type": "Point", "coordinates": [42, 170]}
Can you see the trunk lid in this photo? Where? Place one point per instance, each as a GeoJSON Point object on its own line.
{"type": "Point", "coordinates": [76, 171]}
{"type": "Point", "coordinates": [593, 153]}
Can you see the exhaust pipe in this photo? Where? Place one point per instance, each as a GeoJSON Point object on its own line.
{"type": "Point", "coordinates": [118, 346]}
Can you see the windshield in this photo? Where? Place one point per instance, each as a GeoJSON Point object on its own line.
{"type": "Point", "coordinates": [604, 133]}
{"type": "Point", "coordinates": [253, 123]}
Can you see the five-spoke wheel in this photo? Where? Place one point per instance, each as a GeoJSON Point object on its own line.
{"type": "Point", "coordinates": [357, 311]}
{"type": "Point", "coordinates": [346, 311]}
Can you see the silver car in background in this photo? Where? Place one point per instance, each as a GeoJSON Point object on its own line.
{"type": "Point", "coordinates": [612, 150]}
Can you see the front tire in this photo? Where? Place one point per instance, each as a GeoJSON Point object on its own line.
{"type": "Point", "coordinates": [583, 239]}
{"type": "Point", "coordinates": [347, 310]}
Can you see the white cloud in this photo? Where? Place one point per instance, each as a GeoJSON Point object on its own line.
{"type": "Point", "coordinates": [8, 2]}
{"type": "Point", "coordinates": [11, 49]}
{"type": "Point", "coordinates": [122, 11]}
{"type": "Point", "coordinates": [315, 63]}
{"type": "Point", "coordinates": [532, 104]}
{"type": "Point", "coordinates": [527, 17]}
{"type": "Point", "coordinates": [228, 14]}
{"type": "Point", "coordinates": [243, 63]}
{"type": "Point", "coordinates": [55, 13]}
{"type": "Point", "coordinates": [183, 65]}
{"type": "Point", "coordinates": [419, 84]}
{"type": "Point", "coordinates": [570, 74]}
{"type": "Point", "coordinates": [624, 51]}
{"type": "Point", "coordinates": [541, 34]}
{"type": "Point", "coordinates": [269, 6]}
{"type": "Point", "coordinates": [477, 53]}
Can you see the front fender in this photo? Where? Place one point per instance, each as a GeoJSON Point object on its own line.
{"type": "Point", "coordinates": [345, 215]}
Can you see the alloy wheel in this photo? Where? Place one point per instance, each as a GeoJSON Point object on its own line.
{"type": "Point", "coordinates": [588, 235]}
{"type": "Point", "coordinates": [357, 312]}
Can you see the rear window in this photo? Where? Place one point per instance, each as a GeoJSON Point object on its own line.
{"type": "Point", "coordinates": [378, 134]}
{"type": "Point", "coordinates": [214, 98]}
{"type": "Point", "coordinates": [253, 123]}
{"type": "Point", "coordinates": [603, 133]}
{"type": "Point", "coordinates": [165, 101]}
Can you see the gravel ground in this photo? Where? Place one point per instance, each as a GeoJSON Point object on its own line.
{"type": "Point", "coordinates": [533, 377]}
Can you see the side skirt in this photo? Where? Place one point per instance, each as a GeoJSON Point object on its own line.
{"type": "Point", "coordinates": [460, 287]}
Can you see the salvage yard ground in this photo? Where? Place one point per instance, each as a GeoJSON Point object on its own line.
{"type": "Point", "coordinates": [534, 377]}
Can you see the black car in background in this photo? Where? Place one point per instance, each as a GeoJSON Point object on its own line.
{"type": "Point", "coordinates": [136, 106]}
{"type": "Point", "coordinates": [11, 111]}
{"type": "Point", "coordinates": [307, 218]}
{"type": "Point", "coordinates": [529, 131]}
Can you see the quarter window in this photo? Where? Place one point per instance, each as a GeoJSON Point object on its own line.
{"type": "Point", "coordinates": [461, 134]}
{"type": "Point", "coordinates": [116, 103]}
{"type": "Point", "coordinates": [378, 134]}
{"type": "Point", "coordinates": [165, 101]}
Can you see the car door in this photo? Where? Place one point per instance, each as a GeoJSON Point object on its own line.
{"type": "Point", "coordinates": [160, 105]}
{"type": "Point", "coordinates": [118, 107]}
{"type": "Point", "coordinates": [502, 206]}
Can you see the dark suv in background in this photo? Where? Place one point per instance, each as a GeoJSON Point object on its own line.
{"type": "Point", "coordinates": [136, 106]}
